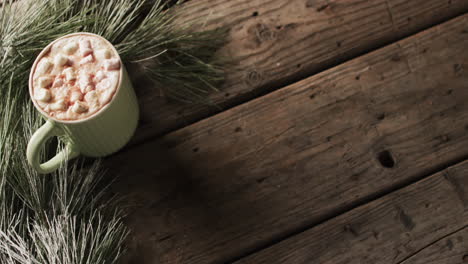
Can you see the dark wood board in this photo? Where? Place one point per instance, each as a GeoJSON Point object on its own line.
{"type": "Point", "coordinates": [268, 169]}
{"type": "Point", "coordinates": [424, 223]}
{"type": "Point", "coordinates": [278, 42]}
{"type": "Point", "coordinates": [450, 249]}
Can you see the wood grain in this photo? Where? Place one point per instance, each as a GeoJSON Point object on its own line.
{"type": "Point", "coordinates": [447, 250]}
{"type": "Point", "coordinates": [424, 223]}
{"type": "Point", "coordinates": [277, 42]}
{"type": "Point", "coordinates": [267, 169]}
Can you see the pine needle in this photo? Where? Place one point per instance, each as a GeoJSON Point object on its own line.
{"type": "Point", "coordinates": [64, 217]}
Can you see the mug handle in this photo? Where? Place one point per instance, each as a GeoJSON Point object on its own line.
{"type": "Point", "coordinates": [37, 141]}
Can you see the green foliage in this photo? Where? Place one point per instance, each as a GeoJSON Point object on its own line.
{"type": "Point", "coordinates": [180, 60]}
{"type": "Point", "coordinates": [64, 217]}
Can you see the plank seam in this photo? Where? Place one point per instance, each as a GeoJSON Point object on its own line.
{"type": "Point", "coordinates": [430, 244]}
{"type": "Point", "coordinates": [288, 81]}
{"type": "Point", "coordinates": [365, 200]}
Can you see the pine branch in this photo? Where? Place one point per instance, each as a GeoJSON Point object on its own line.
{"type": "Point", "coordinates": [180, 60]}
{"type": "Point", "coordinates": [64, 217]}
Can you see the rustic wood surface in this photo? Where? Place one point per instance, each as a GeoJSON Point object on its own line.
{"type": "Point", "coordinates": [426, 222]}
{"type": "Point", "coordinates": [278, 42]}
{"type": "Point", "coordinates": [278, 165]}
{"type": "Point", "coordinates": [449, 250]}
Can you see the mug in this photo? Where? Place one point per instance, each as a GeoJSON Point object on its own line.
{"type": "Point", "coordinates": [99, 135]}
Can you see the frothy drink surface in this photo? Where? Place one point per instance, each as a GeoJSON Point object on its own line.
{"type": "Point", "coordinates": [76, 77]}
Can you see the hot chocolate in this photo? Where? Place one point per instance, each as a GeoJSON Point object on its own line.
{"type": "Point", "coordinates": [76, 77]}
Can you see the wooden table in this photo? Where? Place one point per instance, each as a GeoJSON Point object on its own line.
{"type": "Point", "coordinates": [340, 136]}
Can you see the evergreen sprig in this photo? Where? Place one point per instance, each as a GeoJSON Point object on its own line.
{"type": "Point", "coordinates": [64, 217]}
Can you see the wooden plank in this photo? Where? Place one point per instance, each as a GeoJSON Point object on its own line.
{"type": "Point", "coordinates": [264, 170]}
{"type": "Point", "coordinates": [425, 223]}
{"type": "Point", "coordinates": [277, 42]}
{"type": "Point", "coordinates": [451, 249]}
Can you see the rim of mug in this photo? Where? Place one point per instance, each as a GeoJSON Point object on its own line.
{"type": "Point", "coordinates": [100, 111]}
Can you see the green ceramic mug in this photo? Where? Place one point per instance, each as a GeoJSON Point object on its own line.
{"type": "Point", "coordinates": [99, 135]}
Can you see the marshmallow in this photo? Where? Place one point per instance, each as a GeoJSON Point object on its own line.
{"type": "Point", "coordinates": [85, 48]}
{"type": "Point", "coordinates": [92, 98]}
{"type": "Point", "coordinates": [112, 64]}
{"type": "Point", "coordinates": [76, 96]}
{"type": "Point", "coordinates": [87, 59]}
{"type": "Point", "coordinates": [61, 93]}
{"type": "Point", "coordinates": [45, 82]}
{"type": "Point", "coordinates": [103, 85]}
{"type": "Point", "coordinates": [79, 107]}
{"type": "Point", "coordinates": [100, 75]}
{"type": "Point", "coordinates": [87, 89]}
{"type": "Point", "coordinates": [105, 96]}
{"type": "Point", "coordinates": [70, 48]}
{"type": "Point", "coordinates": [69, 74]}
{"type": "Point", "coordinates": [104, 54]}
{"type": "Point", "coordinates": [58, 82]}
{"type": "Point", "coordinates": [60, 60]}
{"type": "Point", "coordinates": [42, 95]}
{"type": "Point", "coordinates": [59, 105]}
{"type": "Point", "coordinates": [85, 77]}
{"type": "Point", "coordinates": [44, 67]}
{"type": "Point", "coordinates": [85, 83]}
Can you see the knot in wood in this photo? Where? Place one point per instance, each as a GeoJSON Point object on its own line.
{"type": "Point", "coordinates": [253, 77]}
{"type": "Point", "coordinates": [262, 33]}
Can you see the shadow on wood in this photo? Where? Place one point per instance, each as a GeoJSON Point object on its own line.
{"type": "Point", "coordinates": [165, 189]}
